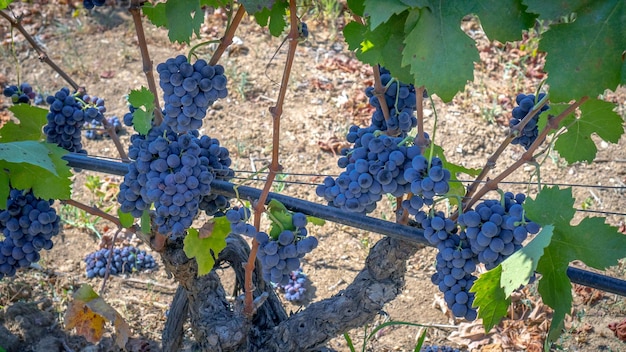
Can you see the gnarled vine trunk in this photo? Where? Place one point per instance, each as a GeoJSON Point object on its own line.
{"type": "Point", "coordinates": [219, 325]}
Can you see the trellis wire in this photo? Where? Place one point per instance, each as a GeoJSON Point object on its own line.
{"type": "Point", "coordinates": [394, 230]}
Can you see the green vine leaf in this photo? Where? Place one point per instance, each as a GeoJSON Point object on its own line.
{"type": "Point", "coordinates": [274, 16]}
{"type": "Point", "coordinates": [452, 57]}
{"type": "Point", "coordinates": [143, 102]}
{"type": "Point", "coordinates": [277, 18]}
{"type": "Point", "coordinates": [34, 165]}
{"type": "Point", "coordinates": [255, 6]}
{"type": "Point", "coordinates": [5, 3]}
{"type": "Point", "coordinates": [503, 20]}
{"type": "Point", "coordinates": [206, 249]}
{"type": "Point", "coordinates": [182, 18]}
{"type": "Point", "coordinates": [520, 266]}
{"type": "Point", "coordinates": [589, 49]}
{"type": "Point", "coordinates": [357, 7]}
{"type": "Point", "coordinates": [490, 299]}
{"type": "Point", "coordinates": [126, 219]}
{"type": "Point", "coordinates": [591, 236]}
{"type": "Point", "coordinates": [381, 45]}
{"type": "Point", "coordinates": [379, 11]}
{"type": "Point", "coordinates": [549, 10]}
{"type": "Point", "coordinates": [31, 118]}
{"type": "Point", "coordinates": [597, 117]}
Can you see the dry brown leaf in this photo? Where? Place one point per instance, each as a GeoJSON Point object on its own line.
{"type": "Point", "coordinates": [88, 313]}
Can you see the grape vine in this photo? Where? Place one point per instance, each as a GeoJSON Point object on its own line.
{"type": "Point", "coordinates": [171, 167]}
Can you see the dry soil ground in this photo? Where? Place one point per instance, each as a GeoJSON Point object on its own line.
{"type": "Point", "coordinates": [325, 96]}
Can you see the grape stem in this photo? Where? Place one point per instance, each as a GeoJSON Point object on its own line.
{"type": "Point", "coordinates": [553, 124]}
{"type": "Point", "coordinates": [135, 11]}
{"type": "Point", "coordinates": [43, 56]}
{"type": "Point", "coordinates": [379, 92]}
{"type": "Point", "coordinates": [420, 139]}
{"type": "Point", "coordinates": [275, 167]}
{"type": "Point", "coordinates": [98, 212]}
{"type": "Point", "coordinates": [227, 39]}
{"type": "Point", "coordinates": [107, 272]}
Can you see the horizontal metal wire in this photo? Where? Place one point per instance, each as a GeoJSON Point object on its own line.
{"type": "Point", "coordinates": [363, 222]}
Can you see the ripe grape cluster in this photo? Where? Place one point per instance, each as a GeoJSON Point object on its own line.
{"type": "Point", "coordinates": [95, 131]}
{"type": "Point", "coordinates": [170, 172]}
{"type": "Point", "coordinates": [68, 113]}
{"type": "Point", "coordinates": [218, 159]}
{"type": "Point", "coordinates": [65, 120]}
{"type": "Point", "coordinates": [189, 89]}
{"type": "Point", "coordinates": [295, 289]}
{"type": "Point", "coordinates": [530, 131]}
{"type": "Point", "coordinates": [27, 224]}
{"type": "Point", "coordinates": [20, 95]}
{"type": "Point", "coordinates": [427, 178]}
{"type": "Point", "coordinates": [400, 99]}
{"type": "Point", "coordinates": [238, 219]}
{"type": "Point", "coordinates": [375, 166]}
{"type": "Point", "coordinates": [496, 229]}
{"type": "Point", "coordinates": [455, 265]}
{"type": "Point", "coordinates": [123, 260]}
{"type": "Point", "coordinates": [281, 255]}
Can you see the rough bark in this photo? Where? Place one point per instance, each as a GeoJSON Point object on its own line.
{"type": "Point", "coordinates": [221, 326]}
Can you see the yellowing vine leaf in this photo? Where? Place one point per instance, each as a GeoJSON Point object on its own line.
{"type": "Point", "coordinates": [88, 313]}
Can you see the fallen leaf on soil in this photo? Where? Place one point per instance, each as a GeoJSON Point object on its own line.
{"type": "Point", "coordinates": [88, 313]}
{"type": "Point", "coordinates": [619, 329]}
{"type": "Point", "coordinates": [107, 74]}
{"type": "Point", "coordinates": [588, 295]}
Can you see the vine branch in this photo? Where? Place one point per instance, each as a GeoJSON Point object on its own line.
{"type": "Point", "coordinates": [43, 56]}
{"type": "Point", "coordinates": [553, 123]}
{"type": "Point", "coordinates": [275, 167]}
{"type": "Point", "coordinates": [135, 11]}
{"type": "Point", "coordinates": [227, 39]}
{"type": "Point", "coordinates": [515, 131]}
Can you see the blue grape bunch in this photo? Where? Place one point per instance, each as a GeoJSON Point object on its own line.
{"type": "Point", "coordinates": [529, 133]}
{"type": "Point", "coordinates": [169, 172]}
{"type": "Point", "coordinates": [437, 228]}
{"type": "Point", "coordinates": [28, 224]}
{"type": "Point", "coordinates": [427, 179]}
{"type": "Point", "coordinates": [65, 119]}
{"type": "Point", "coordinates": [93, 107]}
{"type": "Point", "coordinates": [128, 117]}
{"type": "Point", "coordinates": [400, 99]}
{"type": "Point", "coordinates": [496, 229]}
{"type": "Point", "coordinates": [454, 277]}
{"type": "Point", "coordinates": [20, 95]}
{"type": "Point", "coordinates": [295, 289]}
{"type": "Point", "coordinates": [281, 255]}
{"type": "Point", "coordinates": [455, 263]}
{"type": "Point", "coordinates": [375, 166]}
{"type": "Point", "coordinates": [125, 260]}
{"type": "Point", "coordinates": [188, 90]}
{"type": "Point", "coordinates": [238, 218]}
{"type": "Point", "coordinates": [95, 131]}
{"type": "Point", "coordinates": [67, 115]}
{"type": "Point", "coordinates": [218, 161]}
